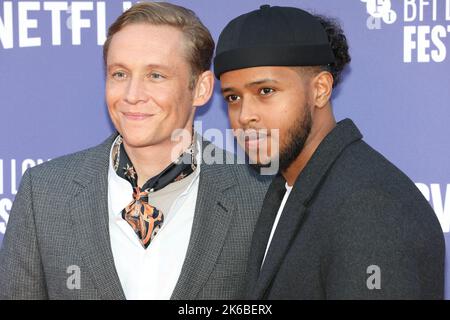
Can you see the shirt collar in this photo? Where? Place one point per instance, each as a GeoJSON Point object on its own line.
{"type": "Point", "coordinates": [120, 190]}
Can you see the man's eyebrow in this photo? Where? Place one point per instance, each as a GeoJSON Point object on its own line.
{"type": "Point", "coordinates": [261, 81]}
{"type": "Point", "coordinates": [116, 65]}
{"type": "Point", "coordinates": [251, 84]}
{"type": "Point", "coordinates": [227, 89]}
{"type": "Point", "coordinates": [150, 65]}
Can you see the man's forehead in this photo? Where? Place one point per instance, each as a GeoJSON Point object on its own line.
{"type": "Point", "coordinates": [256, 75]}
{"type": "Point", "coordinates": [131, 61]}
{"type": "Point", "coordinates": [141, 44]}
{"type": "Point", "coordinates": [145, 29]}
{"type": "Point", "coordinates": [145, 37]}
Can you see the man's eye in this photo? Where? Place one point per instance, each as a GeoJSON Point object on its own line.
{"type": "Point", "coordinates": [232, 98]}
{"type": "Point", "coordinates": [156, 76]}
{"type": "Point", "coordinates": [266, 91]}
{"type": "Point", "coordinates": [119, 75]}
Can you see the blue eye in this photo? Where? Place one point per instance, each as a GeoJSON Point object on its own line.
{"type": "Point", "coordinates": [119, 75]}
{"type": "Point", "coordinates": [156, 76]}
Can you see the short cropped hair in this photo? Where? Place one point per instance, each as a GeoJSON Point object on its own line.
{"type": "Point", "coordinates": [199, 42]}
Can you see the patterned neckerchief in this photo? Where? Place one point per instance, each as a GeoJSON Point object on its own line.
{"type": "Point", "coordinates": [145, 219]}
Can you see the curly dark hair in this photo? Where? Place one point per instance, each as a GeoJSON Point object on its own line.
{"type": "Point", "coordinates": [339, 46]}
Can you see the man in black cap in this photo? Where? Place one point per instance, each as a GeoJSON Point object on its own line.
{"type": "Point", "coordinates": [339, 221]}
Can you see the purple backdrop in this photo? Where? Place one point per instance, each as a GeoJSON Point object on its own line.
{"type": "Point", "coordinates": [396, 89]}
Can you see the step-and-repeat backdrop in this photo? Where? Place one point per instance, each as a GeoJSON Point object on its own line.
{"type": "Point", "coordinates": [397, 89]}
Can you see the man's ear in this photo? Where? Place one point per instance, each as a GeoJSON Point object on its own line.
{"type": "Point", "coordinates": [322, 87]}
{"type": "Point", "coordinates": [203, 88]}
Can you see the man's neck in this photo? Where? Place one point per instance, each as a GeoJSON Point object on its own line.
{"type": "Point", "coordinates": [321, 128]}
{"type": "Point", "coordinates": [151, 160]}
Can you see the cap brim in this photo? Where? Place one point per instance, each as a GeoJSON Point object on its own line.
{"type": "Point", "coordinates": [295, 55]}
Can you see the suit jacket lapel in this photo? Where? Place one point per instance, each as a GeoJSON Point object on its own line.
{"type": "Point", "coordinates": [89, 213]}
{"type": "Point", "coordinates": [295, 209]}
{"type": "Point", "coordinates": [213, 215]}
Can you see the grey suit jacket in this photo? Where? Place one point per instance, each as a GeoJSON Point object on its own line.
{"type": "Point", "coordinates": [59, 219]}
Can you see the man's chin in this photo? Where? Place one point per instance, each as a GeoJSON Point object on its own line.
{"type": "Point", "coordinates": [137, 141]}
{"type": "Point", "coordinates": [259, 163]}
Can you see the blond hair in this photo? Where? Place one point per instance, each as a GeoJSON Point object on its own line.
{"type": "Point", "coordinates": [199, 42]}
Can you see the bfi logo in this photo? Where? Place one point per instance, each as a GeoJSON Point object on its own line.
{"type": "Point", "coordinates": [379, 11]}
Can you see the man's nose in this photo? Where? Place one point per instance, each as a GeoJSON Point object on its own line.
{"type": "Point", "coordinates": [248, 113]}
{"type": "Point", "coordinates": [136, 91]}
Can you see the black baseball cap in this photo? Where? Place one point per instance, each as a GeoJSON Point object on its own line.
{"type": "Point", "coordinates": [272, 36]}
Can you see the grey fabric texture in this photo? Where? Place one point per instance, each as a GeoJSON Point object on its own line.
{"type": "Point", "coordinates": [349, 209]}
{"type": "Point", "coordinates": [59, 221]}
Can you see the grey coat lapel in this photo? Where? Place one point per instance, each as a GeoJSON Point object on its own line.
{"type": "Point", "coordinates": [89, 213]}
{"type": "Point", "coordinates": [213, 213]}
{"type": "Point", "coordinates": [295, 209]}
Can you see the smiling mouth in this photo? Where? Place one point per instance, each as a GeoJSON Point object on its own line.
{"type": "Point", "coordinates": [136, 116]}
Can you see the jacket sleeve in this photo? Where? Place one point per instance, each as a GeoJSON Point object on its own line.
{"type": "Point", "coordinates": [384, 249]}
{"type": "Point", "coordinates": [21, 272]}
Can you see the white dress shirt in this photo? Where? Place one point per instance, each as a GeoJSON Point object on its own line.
{"type": "Point", "coordinates": [151, 273]}
{"type": "Point", "coordinates": [277, 218]}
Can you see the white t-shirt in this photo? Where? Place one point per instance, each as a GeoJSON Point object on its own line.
{"type": "Point", "coordinates": [277, 218]}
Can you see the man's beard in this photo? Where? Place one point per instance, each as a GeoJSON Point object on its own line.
{"type": "Point", "coordinates": [295, 140]}
{"type": "Point", "coordinates": [296, 137]}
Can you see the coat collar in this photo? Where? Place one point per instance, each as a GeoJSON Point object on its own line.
{"type": "Point", "coordinates": [344, 134]}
